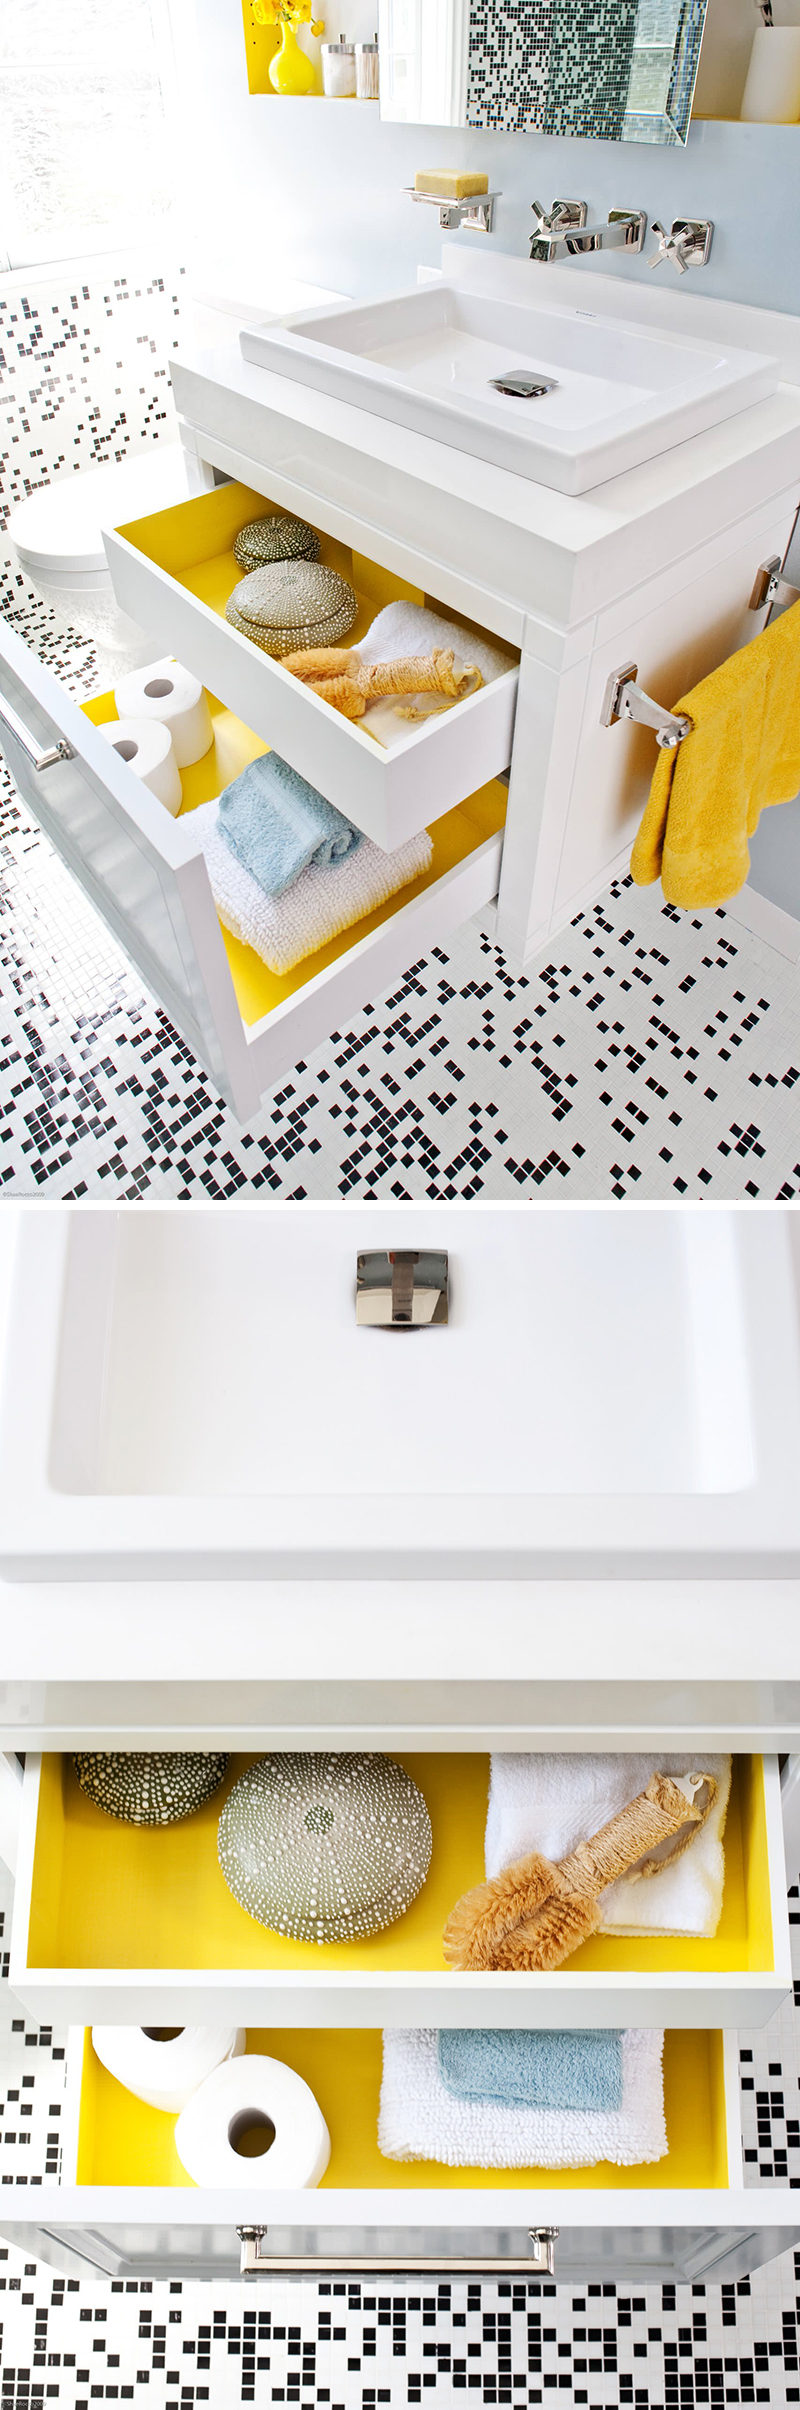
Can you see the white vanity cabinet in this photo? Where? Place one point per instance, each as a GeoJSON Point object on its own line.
{"type": "Point", "coordinates": [656, 566]}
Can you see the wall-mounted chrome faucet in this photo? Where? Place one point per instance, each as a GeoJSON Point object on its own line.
{"type": "Point", "coordinates": [401, 1288]}
{"type": "Point", "coordinates": [563, 232]}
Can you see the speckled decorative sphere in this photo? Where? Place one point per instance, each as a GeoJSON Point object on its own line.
{"type": "Point", "coordinates": [325, 1846]}
{"type": "Point", "coordinates": [291, 605]}
{"type": "Point", "coordinates": [278, 537]}
{"type": "Point", "coordinates": [144, 1786]}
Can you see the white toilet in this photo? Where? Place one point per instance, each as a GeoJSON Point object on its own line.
{"type": "Point", "coordinates": [56, 538]}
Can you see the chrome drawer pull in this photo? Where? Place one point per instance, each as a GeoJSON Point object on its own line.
{"type": "Point", "coordinates": [540, 2260]}
{"type": "Point", "coordinates": [29, 744]}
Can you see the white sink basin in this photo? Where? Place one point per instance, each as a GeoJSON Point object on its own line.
{"type": "Point", "coordinates": [427, 358]}
{"type": "Point", "coordinates": [189, 1395]}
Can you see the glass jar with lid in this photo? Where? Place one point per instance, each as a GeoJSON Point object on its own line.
{"type": "Point", "coordinates": [339, 69]}
{"type": "Point", "coordinates": [367, 70]}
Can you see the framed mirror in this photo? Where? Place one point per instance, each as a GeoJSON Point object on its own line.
{"type": "Point", "coordinates": [620, 70]}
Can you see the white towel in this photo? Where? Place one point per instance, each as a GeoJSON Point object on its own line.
{"type": "Point", "coordinates": [283, 929]}
{"type": "Point", "coordinates": [551, 1803]}
{"type": "Point", "coordinates": [409, 629]}
{"type": "Point", "coordinates": [418, 2119]}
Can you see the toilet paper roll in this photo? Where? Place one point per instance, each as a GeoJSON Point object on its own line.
{"type": "Point", "coordinates": [164, 691]}
{"type": "Point", "coordinates": [772, 90]}
{"type": "Point", "coordinates": [165, 2064]}
{"type": "Point", "coordinates": [147, 748]}
{"type": "Point", "coordinates": [254, 2122]}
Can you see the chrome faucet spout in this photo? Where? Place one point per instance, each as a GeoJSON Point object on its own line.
{"type": "Point", "coordinates": [562, 232]}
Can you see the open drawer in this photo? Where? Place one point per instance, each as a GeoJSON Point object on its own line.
{"type": "Point", "coordinates": [175, 572]}
{"type": "Point", "coordinates": [118, 1924]}
{"type": "Point", "coordinates": [147, 875]}
{"type": "Point", "coordinates": [126, 2207]}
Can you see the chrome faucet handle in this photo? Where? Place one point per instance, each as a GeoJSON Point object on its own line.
{"type": "Point", "coordinates": [562, 215]}
{"type": "Point", "coordinates": [687, 243]}
{"type": "Point", "coordinates": [668, 248]}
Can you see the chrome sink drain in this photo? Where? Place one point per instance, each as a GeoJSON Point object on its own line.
{"type": "Point", "coordinates": [524, 384]}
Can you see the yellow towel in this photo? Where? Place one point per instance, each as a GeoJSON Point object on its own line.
{"type": "Point", "coordinates": [743, 753]}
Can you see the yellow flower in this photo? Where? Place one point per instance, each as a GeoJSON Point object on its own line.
{"type": "Point", "coordinates": [265, 12]}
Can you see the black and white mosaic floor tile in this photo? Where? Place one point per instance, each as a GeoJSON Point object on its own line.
{"type": "Point", "coordinates": [349, 2346]}
{"type": "Point", "coordinates": [648, 1053]}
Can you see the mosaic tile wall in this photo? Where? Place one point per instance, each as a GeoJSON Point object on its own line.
{"type": "Point", "coordinates": [350, 2346]}
{"type": "Point", "coordinates": [614, 70]}
{"type": "Point", "coordinates": [507, 64]}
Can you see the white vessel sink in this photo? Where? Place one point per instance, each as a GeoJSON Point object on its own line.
{"type": "Point", "coordinates": [189, 1395]}
{"type": "Point", "coordinates": [426, 358]}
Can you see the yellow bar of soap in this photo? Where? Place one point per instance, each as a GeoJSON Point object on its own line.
{"type": "Point", "coordinates": [449, 186]}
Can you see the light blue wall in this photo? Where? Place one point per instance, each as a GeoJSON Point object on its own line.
{"type": "Point", "coordinates": [321, 182]}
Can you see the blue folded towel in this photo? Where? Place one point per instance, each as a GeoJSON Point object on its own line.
{"type": "Point", "coordinates": [276, 824]}
{"type": "Point", "coordinates": [534, 2070]}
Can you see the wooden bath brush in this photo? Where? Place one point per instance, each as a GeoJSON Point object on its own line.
{"type": "Point", "coordinates": [534, 1914]}
{"type": "Point", "coordinates": [338, 675]}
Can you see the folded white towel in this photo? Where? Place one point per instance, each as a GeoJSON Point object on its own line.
{"type": "Point", "coordinates": [551, 1803]}
{"type": "Point", "coordinates": [419, 2119]}
{"type": "Point", "coordinates": [409, 630]}
{"type": "Point", "coordinates": [283, 929]}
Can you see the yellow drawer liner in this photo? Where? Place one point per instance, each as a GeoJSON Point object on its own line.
{"type": "Point", "coordinates": [111, 1895]}
{"type": "Point", "coordinates": [193, 542]}
{"type": "Point", "coordinates": [123, 2142]}
{"type": "Point", "coordinates": [258, 990]}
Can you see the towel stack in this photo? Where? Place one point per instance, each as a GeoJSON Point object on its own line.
{"type": "Point", "coordinates": [288, 872]}
{"type": "Point", "coordinates": [422, 2117]}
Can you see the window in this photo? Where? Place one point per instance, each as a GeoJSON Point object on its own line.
{"type": "Point", "coordinates": [85, 161]}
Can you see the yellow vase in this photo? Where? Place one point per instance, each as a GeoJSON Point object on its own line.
{"type": "Point", "coordinates": [290, 70]}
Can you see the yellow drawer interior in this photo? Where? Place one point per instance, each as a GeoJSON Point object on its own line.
{"type": "Point", "coordinates": [123, 2142]}
{"type": "Point", "coordinates": [110, 1895]}
{"type": "Point", "coordinates": [456, 836]}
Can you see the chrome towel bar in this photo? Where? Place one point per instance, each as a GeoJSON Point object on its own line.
{"type": "Point", "coordinates": [771, 587]}
{"type": "Point", "coordinates": [624, 699]}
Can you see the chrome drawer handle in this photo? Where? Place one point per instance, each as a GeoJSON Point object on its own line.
{"type": "Point", "coordinates": [540, 2260]}
{"type": "Point", "coordinates": [29, 744]}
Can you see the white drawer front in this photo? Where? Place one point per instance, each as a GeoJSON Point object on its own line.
{"type": "Point", "coordinates": [655, 2238]}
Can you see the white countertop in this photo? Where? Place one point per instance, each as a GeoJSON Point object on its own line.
{"type": "Point", "coordinates": [557, 553]}
{"type": "Point", "coordinates": [562, 553]}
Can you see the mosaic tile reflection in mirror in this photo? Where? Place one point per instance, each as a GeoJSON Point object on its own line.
{"type": "Point", "coordinates": [619, 70]}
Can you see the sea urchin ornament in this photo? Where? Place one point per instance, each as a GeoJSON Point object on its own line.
{"type": "Point", "coordinates": [325, 1846]}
